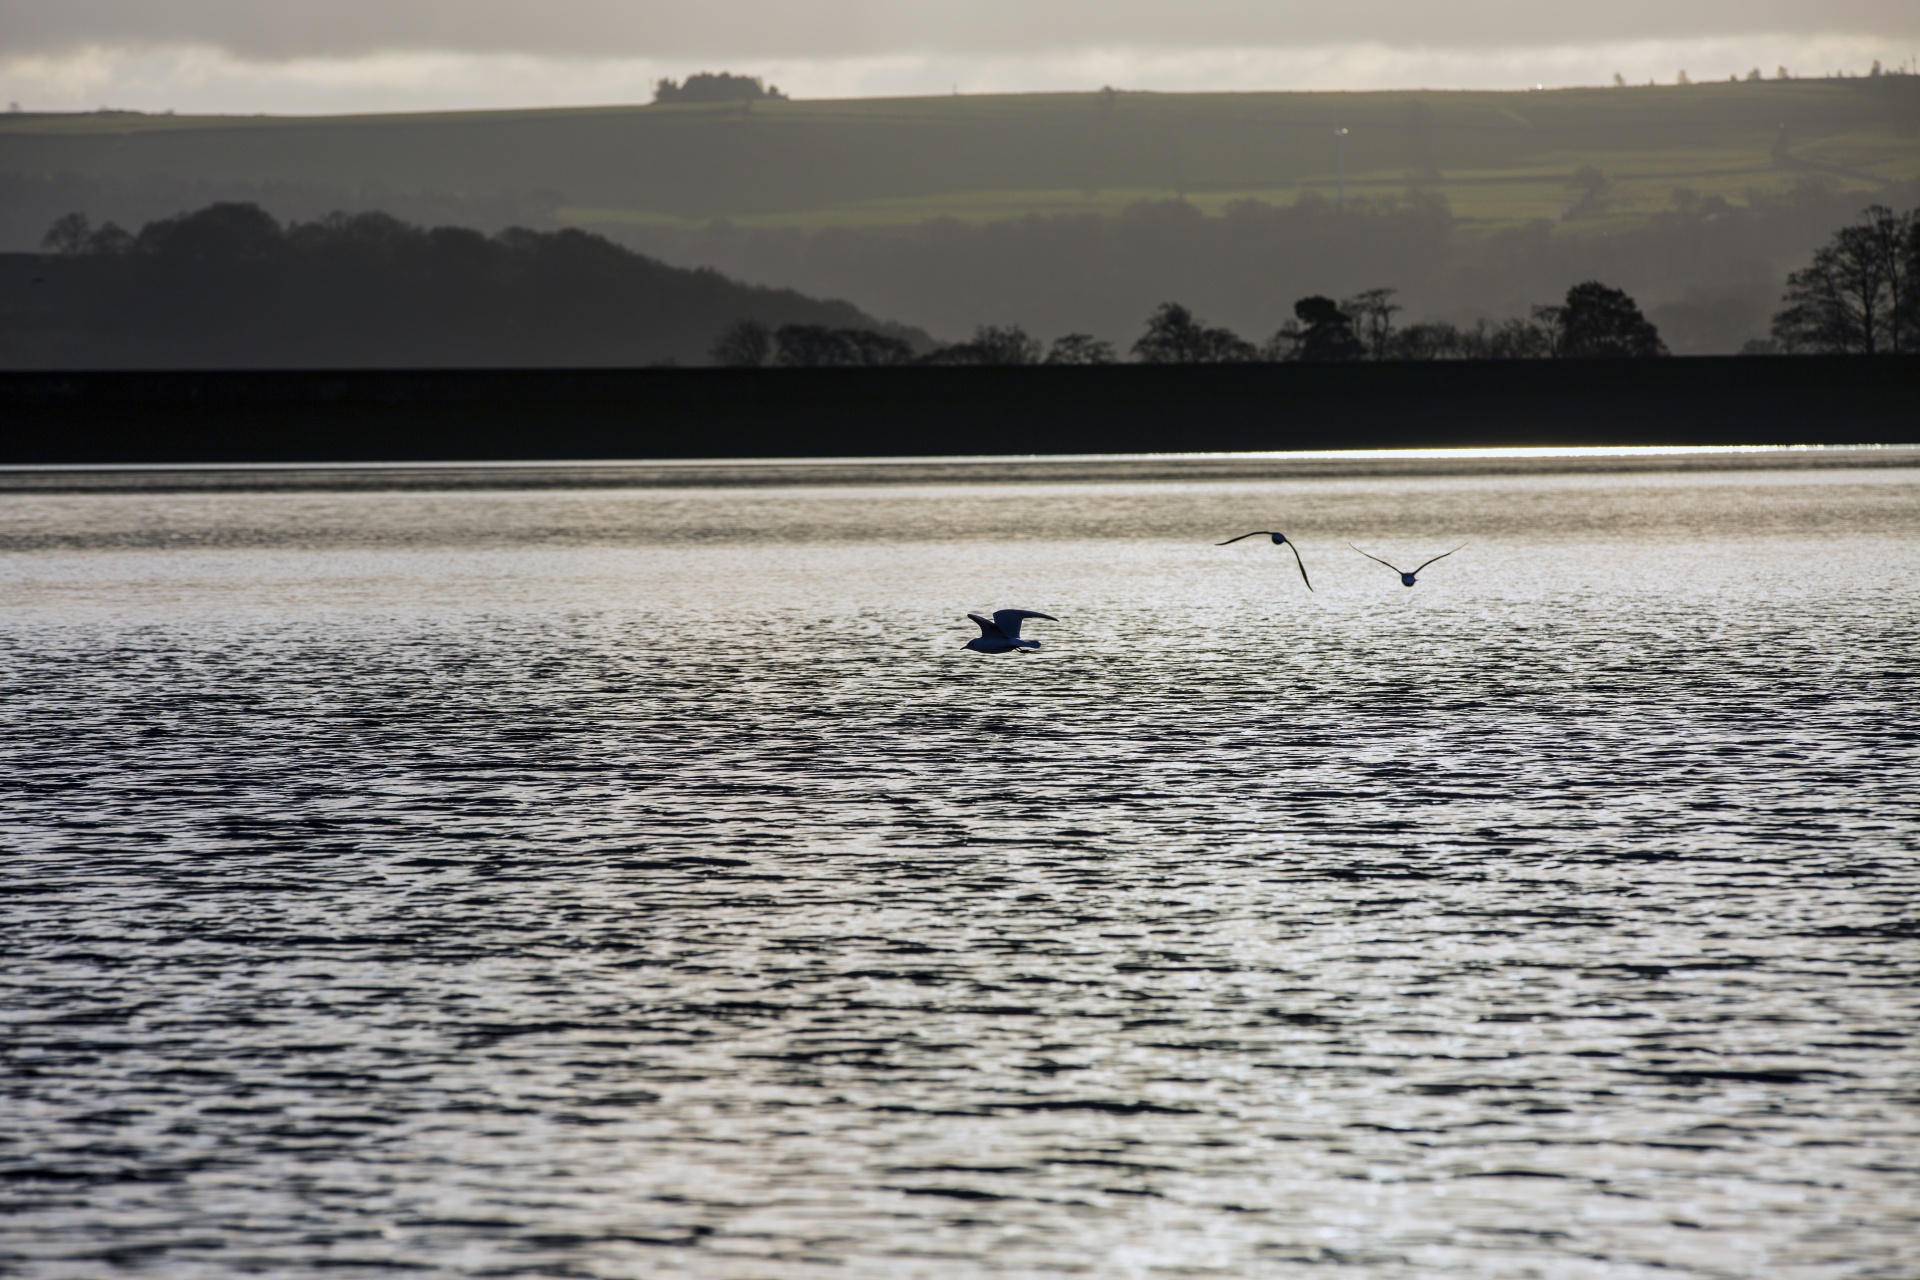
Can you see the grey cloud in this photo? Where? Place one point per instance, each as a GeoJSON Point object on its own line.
{"type": "Point", "coordinates": [745, 29]}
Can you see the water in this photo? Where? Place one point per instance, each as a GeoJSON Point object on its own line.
{"type": "Point", "coordinates": [620, 873]}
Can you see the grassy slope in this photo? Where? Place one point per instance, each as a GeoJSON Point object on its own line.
{"type": "Point", "coordinates": [1499, 158]}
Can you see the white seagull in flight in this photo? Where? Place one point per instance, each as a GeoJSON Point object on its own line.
{"type": "Point", "coordinates": [1279, 540]}
{"type": "Point", "coordinates": [1406, 578]}
{"type": "Point", "coordinates": [1001, 632]}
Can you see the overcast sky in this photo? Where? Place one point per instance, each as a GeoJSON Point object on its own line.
{"type": "Point", "coordinates": [347, 55]}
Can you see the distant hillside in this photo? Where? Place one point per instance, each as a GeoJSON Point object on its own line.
{"type": "Point", "coordinates": [1697, 198]}
{"type": "Point", "coordinates": [1497, 158]}
{"type": "Point", "coordinates": [229, 287]}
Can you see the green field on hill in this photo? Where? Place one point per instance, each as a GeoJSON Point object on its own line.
{"type": "Point", "coordinates": [1499, 159]}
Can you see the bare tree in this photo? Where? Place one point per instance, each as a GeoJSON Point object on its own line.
{"type": "Point", "coordinates": [818, 346]}
{"type": "Point", "coordinates": [744, 344]}
{"type": "Point", "coordinates": [1542, 335]}
{"type": "Point", "coordinates": [1858, 294]}
{"type": "Point", "coordinates": [1430, 340]}
{"type": "Point", "coordinates": [1372, 316]}
{"type": "Point", "coordinates": [68, 234]}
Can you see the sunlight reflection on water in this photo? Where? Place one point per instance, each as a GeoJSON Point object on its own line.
{"type": "Point", "coordinates": [617, 881]}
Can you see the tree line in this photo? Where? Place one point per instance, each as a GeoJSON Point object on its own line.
{"type": "Point", "coordinates": [1707, 270]}
{"type": "Point", "coordinates": [1860, 295]}
{"type": "Point", "coordinates": [1595, 321]}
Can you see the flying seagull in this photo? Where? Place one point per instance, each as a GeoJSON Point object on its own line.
{"type": "Point", "coordinates": [1279, 540]}
{"type": "Point", "coordinates": [1001, 632]}
{"type": "Point", "coordinates": [1406, 578]}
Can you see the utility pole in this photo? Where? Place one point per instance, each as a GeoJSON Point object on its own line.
{"type": "Point", "coordinates": [1340, 162]}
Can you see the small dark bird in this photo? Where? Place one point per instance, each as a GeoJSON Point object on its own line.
{"type": "Point", "coordinates": [1279, 540]}
{"type": "Point", "coordinates": [1406, 578]}
{"type": "Point", "coordinates": [1001, 632]}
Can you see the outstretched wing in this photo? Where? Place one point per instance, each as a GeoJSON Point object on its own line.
{"type": "Point", "coordinates": [1378, 560]}
{"type": "Point", "coordinates": [1302, 563]}
{"type": "Point", "coordinates": [1255, 534]}
{"type": "Point", "coordinates": [1442, 556]}
{"type": "Point", "coordinates": [988, 627]}
{"type": "Point", "coordinates": [1008, 620]}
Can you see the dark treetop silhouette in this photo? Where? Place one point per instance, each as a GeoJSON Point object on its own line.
{"type": "Point", "coordinates": [1861, 293]}
{"type": "Point", "coordinates": [711, 86]}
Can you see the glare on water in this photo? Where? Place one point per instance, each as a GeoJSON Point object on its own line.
{"type": "Point", "coordinates": [629, 873]}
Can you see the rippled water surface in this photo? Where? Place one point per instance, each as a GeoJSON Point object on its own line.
{"type": "Point", "coordinates": [608, 877]}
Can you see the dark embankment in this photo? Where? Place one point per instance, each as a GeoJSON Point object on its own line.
{"type": "Point", "coordinates": [476, 415]}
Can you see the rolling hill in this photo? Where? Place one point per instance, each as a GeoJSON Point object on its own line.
{"type": "Point", "coordinates": [1498, 158]}
{"type": "Point", "coordinates": [830, 196]}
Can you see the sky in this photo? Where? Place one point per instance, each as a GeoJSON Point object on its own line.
{"type": "Point", "coordinates": [307, 57]}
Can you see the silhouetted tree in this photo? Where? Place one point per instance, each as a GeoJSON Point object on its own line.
{"type": "Point", "coordinates": [1594, 188]}
{"type": "Point", "coordinates": [878, 348]}
{"type": "Point", "coordinates": [1542, 335]}
{"type": "Point", "coordinates": [224, 232]}
{"type": "Point", "coordinates": [68, 234]}
{"type": "Point", "coordinates": [1326, 332]}
{"type": "Point", "coordinates": [818, 346]}
{"type": "Point", "coordinates": [809, 346]}
{"type": "Point", "coordinates": [1005, 344]}
{"type": "Point", "coordinates": [708, 86]}
{"type": "Point", "coordinates": [1529, 338]}
{"type": "Point", "coordinates": [1173, 336]}
{"type": "Point", "coordinates": [1080, 348]}
{"type": "Point", "coordinates": [1372, 314]}
{"type": "Point", "coordinates": [991, 344]}
{"type": "Point", "coordinates": [1860, 293]}
{"type": "Point", "coordinates": [1599, 322]}
{"type": "Point", "coordinates": [1908, 311]}
{"type": "Point", "coordinates": [744, 344]}
{"type": "Point", "coordinates": [109, 237]}
{"type": "Point", "coordinates": [1283, 345]}
{"type": "Point", "coordinates": [1431, 340]}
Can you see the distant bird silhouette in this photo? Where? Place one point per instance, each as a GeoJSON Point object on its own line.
{"type": "Point", "coordinates": [1001, 632]}
{"type": "Point", "coordinates": [1406, 578]}
{"type": "Point", "coordinates": [1279, 540]}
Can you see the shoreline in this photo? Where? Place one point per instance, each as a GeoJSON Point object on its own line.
{"type": "Point", "coordinates": [745, 473]}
